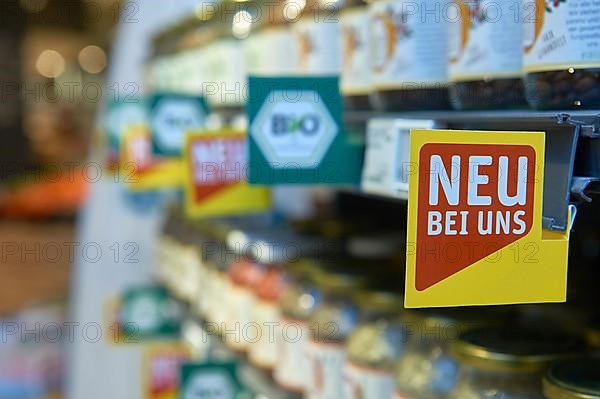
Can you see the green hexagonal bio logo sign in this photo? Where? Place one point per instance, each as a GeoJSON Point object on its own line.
{"type": "Point", "coordinates": [294, 128]}
{"type": "Point", "coordinates": [171, 118]}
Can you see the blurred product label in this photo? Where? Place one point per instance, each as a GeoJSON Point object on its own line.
{"type": "Point", "coordinates": [367, 383]}
{"type": "Point", "coordinates": [143, 314]}
{"type": "Point", "coordinates": [120, 116]}
{"type": "Point", "coordinates": [263, 352]}
{"type": "Point", "coordinates": [387, 164]}
{"type": "Point", "coordinates": [140, 170]}
{"type": "Point", "coordinates": [271, 52]}
{"type": "Point", "coordinates": [171, 116]}
{"type": "Point", "coordinates": [318, 42]}
{"type": "Point", "coordinates": [326, 375]}
{"type": "Point", "coordinates": [225, 73]}
{"type": "Point", "coordinates": [162, 368]}
{"type": "Point", "coordinates": [554, 37]}
{"type": "Point", "coordinates": [486, 40]}
{"type": "Point", "coordinates": [292, 366]}
{"type": "Point", "coordinates": [475, 221]}
{"type": "Point", "coordinates": [296, 133]}
{"type": "Point", "coordinates": [32, 352]}
{"type": "Point", "coordinates": [209, 380]}
{"type": "Point", "coordinates": [216, 170]}
{"type": "Point", "coordinates": [408, 43]}
{"type": "Point", "coordinates": [151, 152]}
{"type": "Point", "coordinates": [136, 148]}
{"type": "Point", "coordinates": [356, 68]}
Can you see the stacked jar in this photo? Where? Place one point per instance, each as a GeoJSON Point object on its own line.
{"type": "Point", "coordinates": [355, 80]}
{"type": "Point", "coordinates": [507, 363]}
{"type": "Point", "coordinates": [298, 303]}
{"type": "Point", "coordinates": [375, 345]}
{"type": "Point", "coordinates": [331, 324]}
{"type": "Point", "coordinates": [409, 43]}
{"type": "Point", "coordinates": [486, 55]}
{"type": "Point", "coordinates": [561, 54]}
{"type": "Point", "coordinates": [592, 334]}
{"type": "Point", "coordinates": [270, 48]}
{"type": "Point", "coordinates": [274, 249]}
{"type": "Point", "coordinates": [573, 379]}
{"type": "Point", "coordinates": [244, 275]}
{"type": "Point", "coordinates": [317, 35]}
{"type": "Point", "coordinates": [216, 284]}
{"type": "Point", "coordinates": [262, 352]}
{"type": "Point", "coordinates": [225, 56]}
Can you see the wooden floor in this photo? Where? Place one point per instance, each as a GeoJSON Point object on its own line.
{"type": "Point", "coordinates": [35, 263]}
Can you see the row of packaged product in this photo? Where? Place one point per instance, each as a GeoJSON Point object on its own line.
{"type": "Point", "coordinates": [336, 327]}
{"type": "Point", "coordinates": [394, 54]}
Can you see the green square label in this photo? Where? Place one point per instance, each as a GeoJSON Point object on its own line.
{"type": "Point", "coordinates": [297, 135]}
{"type": "Point", "coordinates": [171, 117]}
{"type": "Point", "coordinates": [149, 313]}
{"type": "Point", "coordinates": [209, 380]}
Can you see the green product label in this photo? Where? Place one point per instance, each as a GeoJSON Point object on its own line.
{"type": "Point", "coordinates": [171, 117]}
{"type": "Point", "coordinates": [122, 114]}
{"type": "Point", "coordinates": [209, 381]}
{"type": "Point", "coordinates": [148, 313]}
{"type": "Point", "coordinates": [297, 135]}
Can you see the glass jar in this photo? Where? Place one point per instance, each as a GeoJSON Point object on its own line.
{"type": "Point", "coordinates": [270, 48]}
{"type": "Point", "coordinates": [215, 285]}
{"type": "Point", "coordinates": [224, 88]}
{"type": "Point", "coordinates": [374, 347]}
{"type": "Point", "coordinates": [331, 324]}
{"type": "Point", "coordinates": [573, 379]}
{"type": "Point", "coordinates": [298, 303]}
{"type": "Point", "coordinates": [508, 362]}
{"type": "Point", "coordinates": [409, 45]}
{"type": "Point", "coordinates": [592, 335]}
{"type": "Point", "coordinates": [426, 370]}
{"type": "Point", "coordinates": [244, 277]}
{"type": "Point", "coordinates": [317, 35]}
{"type": "Point", "coordinates": [217, 288]}
{"type": "Point", "coordinates": [355, 81]}
{"type": "Point", "coordinates": [561, 55]}
{"type": "Point", "coordinates": [486, 56]}
{"type": "Point", "coordinates": [262, 351]}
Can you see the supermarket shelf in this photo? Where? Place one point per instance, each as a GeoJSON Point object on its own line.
{"type": "Point", "coordinates": [572, 163]}
{"type": "Point", "coordinates": [591, 117]}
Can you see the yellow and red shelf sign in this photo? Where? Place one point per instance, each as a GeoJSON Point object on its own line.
{"type": "Point", "coordinates": [475, 221]}
{"type": "Point", "coordinates": [216, 173]}
{"type": "Point", "coordinates": [142, 171]}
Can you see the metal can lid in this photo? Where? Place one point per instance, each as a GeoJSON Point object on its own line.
{"type": "Point", "coordinates": [461, 319]}
{"type": "Point", "coordinates": [574, 379]}
{"type": "Point", "coordinates": [379, 300]}
{"type": "Point", "coordinates": [514, 349]}
{"type": "Point", "coordinates": [302, 268]}
{"type": "Point", "coordinates": [338, 280]}
{"type": "Point", "coordinates": [592, 335]}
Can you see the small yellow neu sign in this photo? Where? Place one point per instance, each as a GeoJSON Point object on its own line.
{"type": "Point", "coordinates": [141, 170]}
{"type": "Point", "coordinates": [475, 232]}
{"type": "Point", "coordinates": [216, 176]}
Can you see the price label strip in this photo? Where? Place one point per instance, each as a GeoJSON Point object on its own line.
{"type": "Point", "coordinates": [387, 165]}
{"type": "Point", "coordinates": [475, 232]}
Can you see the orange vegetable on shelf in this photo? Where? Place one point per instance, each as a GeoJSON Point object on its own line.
{"type": "Point", "coordinates": [44, 199]}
